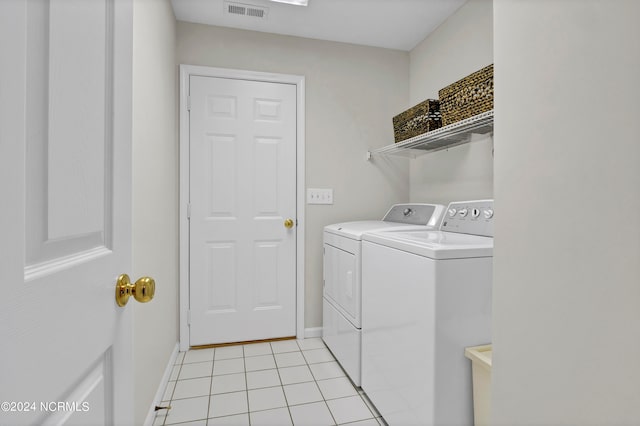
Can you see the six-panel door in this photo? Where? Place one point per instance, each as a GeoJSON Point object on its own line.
{"type": "Point", "coordinates": [242, 190]}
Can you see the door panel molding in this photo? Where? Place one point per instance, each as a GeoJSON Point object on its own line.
{"type": "Point", "coordinates": [68, 192]}
{"type": "Point", "coordinates": [266, 110]}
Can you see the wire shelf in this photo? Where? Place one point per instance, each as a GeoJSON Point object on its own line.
{"type": "Point", "coordinates": [443, 138]}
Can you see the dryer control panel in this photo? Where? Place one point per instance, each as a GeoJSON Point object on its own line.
{"type": "Point", "coordinates": [415, 214]}
{"type": "Point", "coordinates": [469, 217]}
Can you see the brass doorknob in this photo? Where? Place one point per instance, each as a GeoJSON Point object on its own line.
{"type": "Point", "coordinates": [288, 223]}
{"type": "Point", "coordinates": [143, 289]}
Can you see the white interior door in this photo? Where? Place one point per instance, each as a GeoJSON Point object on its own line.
{"type": "Point", "coordinates": [242, 190]}
{"type": "Point", "coordinates": [65, 142]}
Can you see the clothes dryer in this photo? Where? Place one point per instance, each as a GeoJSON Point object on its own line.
{"type": "Point", "coordinates": [426, 296]}
{"type": "Point", "coordinates": [341, 305]}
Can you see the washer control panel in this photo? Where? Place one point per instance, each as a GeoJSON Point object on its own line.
{"type": "Point", "coordinates": [469, 217]}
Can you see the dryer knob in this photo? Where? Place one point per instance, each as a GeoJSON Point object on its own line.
{"type": "Point", "coordinates": [452, 212]}
{"type": "Point", "coordinates": [463, 212]}
{"type": "Point", "coordinates": [475, 213]}
{"type": "Point", "coordinates": [488, 214]}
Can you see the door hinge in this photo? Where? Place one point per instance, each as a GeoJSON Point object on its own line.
{"type": "Point", "coordinates": [188, 210]}
{"type": "Point", "coordinates": [188, 103]}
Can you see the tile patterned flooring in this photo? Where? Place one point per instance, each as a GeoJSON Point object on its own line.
{"type": "Point", "coordinates": [289, 382]}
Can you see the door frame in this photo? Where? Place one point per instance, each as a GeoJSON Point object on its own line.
{"type": "Point", "coordinates": [186, 71]}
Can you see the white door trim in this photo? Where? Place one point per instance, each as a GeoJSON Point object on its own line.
{"type": "Point", "coordinates": [186, 71]}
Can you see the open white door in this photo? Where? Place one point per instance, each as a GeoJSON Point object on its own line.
{"type": "Point", "coordinates": [65, 182]}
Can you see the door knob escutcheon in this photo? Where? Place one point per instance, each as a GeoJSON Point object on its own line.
{"type": "Point", "coordinates": [142, 290]}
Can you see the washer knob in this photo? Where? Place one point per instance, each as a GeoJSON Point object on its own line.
{"type": "Point", "coordinates": [488, 214]}
{"type": "Point", "coordinates": [463, 212]}
{"type": "Point", "coordinates": [475, 213]}
{"type": "Point", "coordinates": [452, 212]}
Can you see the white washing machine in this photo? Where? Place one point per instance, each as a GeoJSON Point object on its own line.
{"type": "Point", "coordinates": [426, 296]}
{"type": "Point", "coordinates": [341, 325]}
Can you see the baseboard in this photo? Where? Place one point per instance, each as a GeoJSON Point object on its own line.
{"type": "Point", "coordinates": [151, 415]}
{"type": "Point", "coordinates": [312, 332]}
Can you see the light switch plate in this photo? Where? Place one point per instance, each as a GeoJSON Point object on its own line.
{"type": "Point", "coordinates": [319, 196]}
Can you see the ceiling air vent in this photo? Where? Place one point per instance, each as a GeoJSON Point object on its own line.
{"type": "Point", "coordinates": [246, 10]}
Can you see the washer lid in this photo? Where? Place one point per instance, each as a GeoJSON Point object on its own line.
{"type": "Point", "coordinates": [434, 244]}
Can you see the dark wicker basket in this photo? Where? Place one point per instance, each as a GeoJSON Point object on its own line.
{"type": "Point", "coordinates": [417, 120]}
{"type": "Point", "coordinates": [467, 97]}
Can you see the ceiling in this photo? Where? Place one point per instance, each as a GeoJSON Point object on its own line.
{"type": "Point", "coordinates": [393, 24]}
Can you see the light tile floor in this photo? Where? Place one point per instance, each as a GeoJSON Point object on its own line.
{"type": "Point", "coordinates": [290, 382]}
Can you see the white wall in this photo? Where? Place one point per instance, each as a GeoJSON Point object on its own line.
{"type": "Point", "coordinates": [567, 192]}
{"type": "Point", "coordinates": [155, 202]}
{"type": "Point", "coordinates": [352, 92]}
{"type": "Point", "coordinates": [461, 45]}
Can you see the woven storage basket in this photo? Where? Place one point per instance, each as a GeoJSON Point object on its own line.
{"type": "Point", "coordinates": [417, 120]}
{"type": "Point", "coordinates": [467, 97]}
